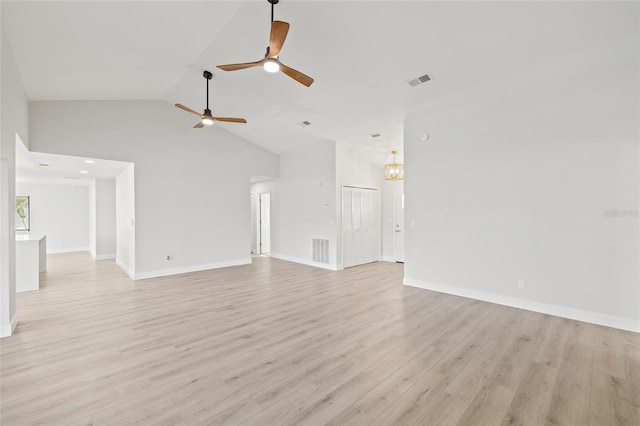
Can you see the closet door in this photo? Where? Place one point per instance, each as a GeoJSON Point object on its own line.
{"type": "Point", "coordinates": [371, 225]}
{"type": "Point", "coordinates": [356, 221]}
{"type": "Point", "coordinates": [347, 228]}
{"type": "Point", "coordinates": [365, 216]}
{"type": "Point", "coordinates": [360, 226]}
{"type": "Point", "coordinates": [374, 230]}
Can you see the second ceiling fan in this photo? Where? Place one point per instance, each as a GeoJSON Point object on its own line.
{"type": "Point", "coordinates": [271, 61]}
{"type": "Point", "coordinates": [207, 118]}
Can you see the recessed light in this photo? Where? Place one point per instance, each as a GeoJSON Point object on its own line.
{"type": "Point", "coordinates": [89, 161]}
{"type": "Point", "coordinates": [84, 172]}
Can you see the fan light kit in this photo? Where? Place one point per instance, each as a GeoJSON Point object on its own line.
{"type": "Point", "coordinates": [394, 171]}
{"type": "Point", "coordinates": [207, 118]}
{"type": "Point", "coordinates": [271, 62]}
{"type": "Point", "coordinates": [271, 65]}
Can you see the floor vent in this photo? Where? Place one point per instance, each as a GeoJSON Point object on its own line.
{"type": "Point", "coordinates": [419, 80]}
{"type": "Point", "coordinates": [320, 250]}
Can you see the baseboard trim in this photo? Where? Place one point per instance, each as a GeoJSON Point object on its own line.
{"type": "Point", "coordinates": [71, 250]}
{"type": "Point", "coordinates": [388, 259]}
{"type": "Point", "coordinates": [193, 268]}
{"type": "Point", "coordinates": [8, 329]}
{"type": "Point", "coordinates": [331, 267]}
{"type": "Point", "coordinates": [528, 305]}
{"type": "Point", "coordinates": [105, 256]}
{"type": "Point", "coordinates": [125, 268]}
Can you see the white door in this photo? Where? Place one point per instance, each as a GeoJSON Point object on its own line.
{"type": "Point", "coordinates": [264, 224]}
{"type": "Point", "coordinates": [356, 221]}
{"type": "Point", "coordinates": [398, 224]}
{"type": "Point", "coordinates": [347, 228]}
{"type": "Point", "coordinates": [360, 226]}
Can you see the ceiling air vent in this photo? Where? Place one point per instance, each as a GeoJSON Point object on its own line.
{"type": "Point", "coordinates": [419, 80]}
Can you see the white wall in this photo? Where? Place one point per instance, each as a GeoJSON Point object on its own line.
{"type": "Point", "coordinates": [61, 212]}
{"type": "Point", "coordinates": [126, 220]}
{"type": "Point", "coordinates": [303, 203]}
{"type": "Point", "coordinates": [521, 185]}
{"type": "Point", "coordinates": [355, 167]}
{"type": "Point", "coordinates": [191, 185]}
{"type": "Point", "coordinates": [14, 123]}
{"type": "Point", "coordinates": [105, 219]}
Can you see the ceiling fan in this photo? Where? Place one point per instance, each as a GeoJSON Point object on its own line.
{"type": "Point", "coordinates": [271, 61]}
{"type": "Point", "coordinates": [207, 118]}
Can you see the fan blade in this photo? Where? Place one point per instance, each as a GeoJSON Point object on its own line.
{"type": "Point", "coordinates": [200, 125]}
{"type": "Point", "coordinates": [296, 75]}
{"type": "Point", "coordinates": [230, 120]}
{"type": "Point", "coordinates": [279, 32]}
{"type": "Point", "coordinates": [188, 110]}
{"type": "Point", "coordinates": [234, 67]}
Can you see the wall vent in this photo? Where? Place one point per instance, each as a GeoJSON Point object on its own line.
{"type": "Point", "coordinates": [305, 123]}
{"type": "Point", "coordinates": [375, 135]}
{"type": "Point", "coordinates": [419, 80]}
{"type": "Point", "coordinates": [320, 250]}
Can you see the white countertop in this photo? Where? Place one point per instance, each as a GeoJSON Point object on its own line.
{"type": "Point", "coordinates": [27, 237]}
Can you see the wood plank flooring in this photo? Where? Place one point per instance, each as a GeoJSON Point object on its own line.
{"type": "Point", "coordinates": [277, 343]}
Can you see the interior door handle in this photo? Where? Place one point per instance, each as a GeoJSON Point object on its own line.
{"type": "Point", "coordinates": [397, 230]}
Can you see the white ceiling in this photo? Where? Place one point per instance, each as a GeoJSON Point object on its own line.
{"type": "Point", "coordinates": [36, 167]}
{"type": "Point", "coordinates": [361, 54]}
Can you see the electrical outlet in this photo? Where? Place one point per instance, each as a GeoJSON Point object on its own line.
{"type": "Point", "coordinates": [520, 283]}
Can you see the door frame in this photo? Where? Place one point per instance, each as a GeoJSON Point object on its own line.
{"type": "Point", "coordinates": [260, 222]}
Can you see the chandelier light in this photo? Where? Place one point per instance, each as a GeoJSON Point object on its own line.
{"type": "Point", "coordinates": [394, 171]}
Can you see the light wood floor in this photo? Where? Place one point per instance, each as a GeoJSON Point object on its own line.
{"type": "Point", "coordinates": [279, 343]}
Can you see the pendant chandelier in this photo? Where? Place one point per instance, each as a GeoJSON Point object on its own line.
{"type": "Point", "coordinates": [394, 171]}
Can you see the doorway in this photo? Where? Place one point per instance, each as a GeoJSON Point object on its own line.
{"type": "Point", "coordinates": [398, 224]}
{"type": "Point", "coordinates": [264, 224]}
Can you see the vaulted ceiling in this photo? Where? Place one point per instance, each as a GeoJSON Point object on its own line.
{"type": "Point", "coordinates": [361, 53]}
